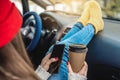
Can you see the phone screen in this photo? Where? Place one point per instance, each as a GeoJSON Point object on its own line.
{"type": "Point", "coordinates": [58, 51]}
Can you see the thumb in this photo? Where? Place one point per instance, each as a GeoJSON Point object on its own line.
{"type": "Point", "coordinates": [69, 67]}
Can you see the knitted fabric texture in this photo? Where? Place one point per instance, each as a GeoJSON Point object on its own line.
{"type": "Point", "coordinates": [10, 22]}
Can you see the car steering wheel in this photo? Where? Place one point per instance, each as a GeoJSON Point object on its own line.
{"type": "Point", "coordinates": [31, 26]}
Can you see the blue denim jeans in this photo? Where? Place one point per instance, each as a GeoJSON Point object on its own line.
{"type": "Point", "coordinates": [77, 35]}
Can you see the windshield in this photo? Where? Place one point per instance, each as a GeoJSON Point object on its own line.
{"type": "Point", "coordinates": [32, 6]}
{"type": "Point", "coordinates": [110, 8]}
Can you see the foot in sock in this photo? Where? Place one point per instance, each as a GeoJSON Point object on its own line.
{"type": "Point", "coordinates": [95, 16]}
{"type": "Point", "coordinates": [85, 15]}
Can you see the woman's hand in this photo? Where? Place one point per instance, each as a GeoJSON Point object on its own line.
{"type": "Point", "coordinates": [46, 61]}
{"type": "Point", "coordinates": [82, 72]}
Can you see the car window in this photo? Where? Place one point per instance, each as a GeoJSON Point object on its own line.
{"type": "Point", "coordinates": [32, 6]}
{"type": "Point", "coordinates": [35, 7]}
{"type": "Point", "coordinates": [18, 4]}
{"type": "Point", "coordinates": [110, 8]}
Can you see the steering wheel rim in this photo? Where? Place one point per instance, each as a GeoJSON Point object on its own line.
{"type": "Point", "coordinates": [38, 26]}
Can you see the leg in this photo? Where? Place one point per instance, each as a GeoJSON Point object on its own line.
{"type": "Point", "coordinates": [77, 27]}
{"type": "Point", "coordinates": [82, 37]}
{"type": "Point", "coordinates": [92, 14]}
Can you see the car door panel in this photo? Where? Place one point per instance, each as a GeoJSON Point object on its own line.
{"type": "Point", "coordinates": [104, 53]}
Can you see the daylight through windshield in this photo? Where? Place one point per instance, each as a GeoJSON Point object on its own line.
{"type": "Point", "coordinates": [110, 8]}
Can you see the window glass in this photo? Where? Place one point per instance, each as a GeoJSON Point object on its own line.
{"type": "Point", "coordinates": [18, 4]}
{"type": "Point", "coordinates": [35, 7]}
{"type": "Point", "coordinates": [110, 8]}
{"type": "Point", "coordinates": [32, 6]}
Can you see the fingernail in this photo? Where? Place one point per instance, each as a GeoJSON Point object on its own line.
{"type": "Point", "coordinates": [56, 58]}
{"type": "Point", "coordinates": [67, 63]}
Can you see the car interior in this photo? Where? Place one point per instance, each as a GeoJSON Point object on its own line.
{"type": "Point", "coordinates": [103, 55]}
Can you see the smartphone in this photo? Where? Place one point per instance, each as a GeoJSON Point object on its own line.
{"type": "Point", "coordinates": [58, 51]}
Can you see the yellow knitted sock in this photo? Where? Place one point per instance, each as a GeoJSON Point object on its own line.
{"type": "Point", "coordinates": [95, 16]}
{"type": "Point", "coordinates": [85, 15]}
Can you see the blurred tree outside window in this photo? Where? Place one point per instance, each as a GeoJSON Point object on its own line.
{"type": "Point", "coordinates": [112, 8]}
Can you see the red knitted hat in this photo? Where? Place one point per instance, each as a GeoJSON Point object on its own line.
{"type": "Point", "coordinates": [10, 22]}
